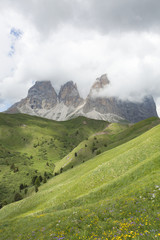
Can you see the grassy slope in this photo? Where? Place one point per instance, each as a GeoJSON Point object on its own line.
{"type": "Point", "coordinates": [115, 195]}
{"type": "Point", "coordinates": [114, 135]}
{"type": "Point", "coordinates": [34, 145]}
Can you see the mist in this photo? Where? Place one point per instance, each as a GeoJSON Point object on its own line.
{"type": "Point", "coordinates": [80, 40]}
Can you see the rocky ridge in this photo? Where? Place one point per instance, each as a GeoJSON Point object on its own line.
{"type": "Point", "coordinates": [42, 100]}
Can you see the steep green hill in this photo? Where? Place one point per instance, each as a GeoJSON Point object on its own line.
{"type": "Point", "coordinates": [30, 147]}
{"type": "Point", "coordinates": [115, 195]}
{"type": "Point", "coordinates": [113, 135]}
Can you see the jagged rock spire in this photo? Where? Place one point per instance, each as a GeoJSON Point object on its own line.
{"type": "Point", "coordinates": [69, 94]}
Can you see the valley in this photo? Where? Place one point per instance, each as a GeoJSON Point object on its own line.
{"type": "Point", "coordinates": [102, 179]}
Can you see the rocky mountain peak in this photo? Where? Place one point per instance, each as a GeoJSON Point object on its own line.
{"type": "Point", "coordinates": [99, 84]}
{"type": "Point", "coordinates": [42, 95]}
{"type": "Point", "coordinates": [42, 100]}
{"type": "Point", "coordinates": [69, 94]}
{"type": "Point", "coordinates": [41, 87]}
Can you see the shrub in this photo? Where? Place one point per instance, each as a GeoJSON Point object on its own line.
{"type": "Point", "coordinates": [94, 149]}
{"type": "Point", "coordinates": [37, 182]}
{"type": "Point", "coordinates": [77, 132]}
{"type": "Point", "coordinates": [36, 188]}
{"type": "Point", "coordinates": [17, 197]}
{"type": "Point", "coordinates": [40, 178]}
{"type": "Point", "coordinates": [12, 167]}
{"type": "Point", "coordinates": [75, 154]}
{"type": "Point", "coordinates": [98, 152]}
{"type": "Point", "coordinates": [44, 180]}
{"type": "Point", "coordinates": [26, 190]}
{"type": "Point", "coordinates": [34, 179]}
{"type": "Point", "coordinates": [16, 169]}
{"type": "Point", "coordinates": [21, 186]}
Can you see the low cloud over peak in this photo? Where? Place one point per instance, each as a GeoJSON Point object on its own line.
{"type": "Point", "coordinates": [79, 40]}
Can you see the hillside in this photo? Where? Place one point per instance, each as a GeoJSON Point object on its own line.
{"type": "Point", "coordinates": [31, 146]}
{"type": "Point", "coordinates": [114, 195]}
{"type": "Point", "coordinates": [113, 135]}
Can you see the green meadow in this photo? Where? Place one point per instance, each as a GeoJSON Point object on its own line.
{"type": "Point", "coordinates": [31, 146]}
{"type": "Point", "coordinates": [111, 192]}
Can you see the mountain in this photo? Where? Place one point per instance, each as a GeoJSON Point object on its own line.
{"type": "Point", "coordinates": [42, 100]}
{"type": "Point", "coordinates": [113, 108]}
{"type": "Point", "coordinates": [69, 95]}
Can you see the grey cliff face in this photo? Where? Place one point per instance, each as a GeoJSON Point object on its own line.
{"type": "Point", "coordinates": [131, 111]}
{"type": "Point", "coordinates": [42, 100]}
{"type": "Point", "coordinates": [42, 95]}
{"type": "Point", "coordinates": [99, 84]}
{"type": "Point", "coordinates": [69, 95]}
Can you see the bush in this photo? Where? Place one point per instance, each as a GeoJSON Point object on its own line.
{"type": "Point", "coordinates": [75, 154]}
{"type": "Point", "coordinates": [77, 132]}
{"type": "Point", "coordinates": [34, 179]}
{"type": "Point", "coordinates": [36, 188]}
{"type": "Point", "coordinates": [40, 178]}
{"type": "Point", "coordinates": [12, 167]}
{"type": "Point", "coordinates": [17, 197]}
{"type": "Point", "coordinates": [94, 149]}
{"type": "Point", "coordinates": [98, 152]}
{"type": "Point", "coordinates": [26, 190]}
{"type": "Point", "coordinates": [16, 169]}
{"type": "Point", "coordinates": [44, 180]}
{"type": "Point", "coordinates": [37, 182]}
{"type": "Point", "coordinates": [21, 186]}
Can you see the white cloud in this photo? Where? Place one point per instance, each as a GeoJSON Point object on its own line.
{"type": "Point", "coordinates": [76, 40]}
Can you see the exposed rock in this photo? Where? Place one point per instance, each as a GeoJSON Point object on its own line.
{"type": "Point", "coordinates": [42, 100]}
{"type": "Point", "coordinates": [69, 95]}
{"type": "Point", "coordinates": [42, 95]}
{"type": "Point", "coordinates": [99, 84]}
{"type": "Point", "coordinates": [130, 111]}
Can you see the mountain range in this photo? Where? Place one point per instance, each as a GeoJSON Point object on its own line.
{"type": "Point", "coordinates": [42, 100]}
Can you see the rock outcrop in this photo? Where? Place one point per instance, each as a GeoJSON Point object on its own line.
{"type": "Point", "coordinates": [122, 109]}
{"type": "Point", "coordinates": [69, 95]}
{"type": "Point", "coordinates": [42, 95]}
{"type": "Point", "coordinates": [42, 100]}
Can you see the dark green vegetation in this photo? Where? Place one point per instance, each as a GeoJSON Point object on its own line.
{"type": "Point", "coordinates": [31, 146]}
{"type": "Point", "coordinates": [114, 195]}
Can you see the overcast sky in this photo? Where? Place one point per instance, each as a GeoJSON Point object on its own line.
{"type": "Point", "coordinates": [79, 40]}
